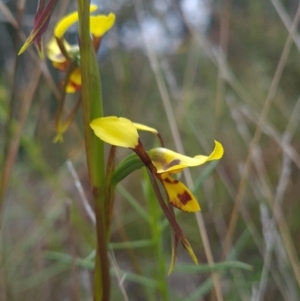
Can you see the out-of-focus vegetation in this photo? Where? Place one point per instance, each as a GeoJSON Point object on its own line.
{"type": "Point", "coordinates": [234, 79]}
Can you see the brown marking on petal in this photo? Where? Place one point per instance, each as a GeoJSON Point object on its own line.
{"type": "Point", "coordinates": [61, 66]}
{"type": "Point", "coordinates": [184, 197]}
{"type": "Point", "coordinates": [172, 163]}
{"type": "Point", "coordinates": [75, 86]}
{"type": "Point", "coordinates": [171, 181]}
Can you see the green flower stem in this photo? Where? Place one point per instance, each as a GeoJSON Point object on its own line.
{"type": "Point", "coordinates": [110, 189]}
{"type": "Point", "coordinates": [92, 108]}
{"type": "Point", "coordinates": [61, 45]}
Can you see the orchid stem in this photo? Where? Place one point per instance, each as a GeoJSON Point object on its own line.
{"type": "Point", "coordinates": [92, 108]}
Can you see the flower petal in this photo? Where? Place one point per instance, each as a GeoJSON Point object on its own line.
{"type": "Point", "coordinates": [116, 131]}
{"type": "Point", "coordinates": [74, 83]}
{"type": "Point", "coordinates": [100, 24]}
{"type": "Point", "coordinates": [216, 154]}
{"type": "Point", "coordinates": [66, 22]}
{"type": "Point", "coordinates": [54, 53]}
{"type": "Point", "coordinates": [61, 66]}
{"type": "Point", "coordinates": [142, 127]}
{"type": "Point", "coordinates": [180, 196]}
{"type": "Point", "coordinates": [166, 160]}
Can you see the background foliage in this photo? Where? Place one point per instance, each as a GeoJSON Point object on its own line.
{"type": "Point", "coordinates": [234, 78]}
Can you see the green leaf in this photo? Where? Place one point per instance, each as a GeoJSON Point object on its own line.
{"type": "Point", "coordinates": [126, 167]}
{"type": "Point", "coordinates": [83, 263]}
{"type": "Point", "coordinates": [131, 244]}
{"type": "Point", "coordinates": [200, 291]}
{"type": "Point", "coordinates": [203, 268]}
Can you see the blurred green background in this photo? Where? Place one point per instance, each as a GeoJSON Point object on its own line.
{"type": "Point", "coordinates": [196, 71]}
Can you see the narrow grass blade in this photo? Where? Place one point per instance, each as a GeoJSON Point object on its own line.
{"type": "Point", "coordinates": [203, 268]}
{"type": "Point", "coordinates": [133, 202]}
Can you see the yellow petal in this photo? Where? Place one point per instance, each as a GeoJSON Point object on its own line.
{"type": "Point", "coordinates": [216, 154]}
{"type": "Point", "coordinates": [116, 131]}
{"type": "Point", "coordinates": [142, 127]}
{"type": "Point", "coordinates": [100, 24]}
{"type": "Point", "coordinates": [66, 22]}
{"type": "Point", "coordinates": [76, 76]}
{"type": "Point", "coordinates": [166, 160]}
{"type": "Point", "coordinates": [53, 51]}
{"type": "Point", "coordinates": [61, 66]}
{"type": "Point", "coordinates": [180, 196]}
{"type": "Point", "coordinates": [70, 88]}
{"type": "Point", "coordinates": [74, 83]}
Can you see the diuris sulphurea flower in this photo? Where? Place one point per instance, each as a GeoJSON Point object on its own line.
{"type": "Point", "coordinates": [59, 51]}
{"type": "Point", "coordinates": [62, 54]}
{"type": "Point", "coordinates": [161, 163]}
{"type": "Point", "coordinates": [124, 133]}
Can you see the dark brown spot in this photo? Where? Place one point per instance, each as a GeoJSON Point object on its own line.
{"type": "Point", "coordinates": [184, 197]}
{"type": "Point", "coordinates": [173, 181]}
{"type": "Point", "coordinates": [172, 163]}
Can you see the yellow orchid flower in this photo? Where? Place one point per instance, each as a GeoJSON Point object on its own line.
{"type": "Point", "coordinates": [122, 132]}
{"type": "Point", "coordinates": [61, 53]}
{"type": "Point", "coordinates": [161, 163]}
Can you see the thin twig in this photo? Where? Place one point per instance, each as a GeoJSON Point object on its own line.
{"type": "Point", "coordinates": [80, 190]}
{"type": "Point", "coordinates": [267, 228]}
{"type": "Point", "coordinates": [286, 21]}
{"type": "Point", "coordinates": [120, 278]}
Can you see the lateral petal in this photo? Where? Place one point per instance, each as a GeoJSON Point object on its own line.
{"type": "Point", "coordinates": [100, 24]}
{"type": "Point", "coordinates": [180, 196]}
{"type": "Point", "coordinates": [143, 127]}
{"type": "Point", "coordinates": [166, 160]}
{"type": "Point", "coordinates": [66, 22]}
